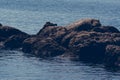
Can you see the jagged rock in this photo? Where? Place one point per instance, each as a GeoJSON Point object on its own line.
{"type": "Point", "coordinates": [43, 47]}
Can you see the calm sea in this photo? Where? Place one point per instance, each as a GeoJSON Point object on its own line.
{"type": "Point", "coordinates": [30, 15]}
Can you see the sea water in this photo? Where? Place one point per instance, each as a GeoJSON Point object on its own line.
{"type": "Point", "coordinates": [30, 16]}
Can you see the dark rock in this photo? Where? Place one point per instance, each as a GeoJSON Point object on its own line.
{"type": "Point", "coordinates": [89, 46]}
{"type": "Point", "coordinates": [112, 55]}
{"type": "Point", "coordinates": [104, 29]}
{"type": "Point", "coordinates": [84, 40]}
{"type": "Point", "coordinates": [1, 25]}
{"type": "Point", "coordinates": [15, 41]}
{"type": "Point", "coordinates": [11, 37]}
{"type": "Point", "coordinates": [43, 47]}
{"type": "Point", "coordinates": [6, 31]}
{"type": "Point", "coordinates": [49, 24]}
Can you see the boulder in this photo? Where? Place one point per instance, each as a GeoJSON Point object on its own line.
{"type": "Point", "coordinates": [15, 41]}
{"type": "Point", "coordinates": [6, 31]}
{"type": "Point", "coordinates": [11, 37]}
{"type": "Point", "coordinates": [84, 25]}
{"type": "Point", "coordinates": [90, 46]}
{"type": "Point", "coordinates": [55, 32]}
{"type": "Point", "coordinates": [43, 47]}
{"type": "Point", "coordinates": [112, 55]}
{"type": "Point", "coordinates": [85, 40]}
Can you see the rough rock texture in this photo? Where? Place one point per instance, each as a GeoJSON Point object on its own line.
{"type": "Point", "coordinates": [43, 47]}
{"type": "Point", "coordinates": [11, 38]}
{"type": "Point", "coordinates": [112, 55]}
{"type": "Point", "coordinates": [84, 25]}
{"type": "Point", "coordinates": [15, 41]}
{"type": "Point", "coordinates": [85, 40]}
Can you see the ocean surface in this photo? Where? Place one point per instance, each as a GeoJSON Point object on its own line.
{"type": "Point", "coordinates": [30, 16]}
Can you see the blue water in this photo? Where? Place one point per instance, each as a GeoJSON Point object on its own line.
{"type": "Point", "coordinates": [30, 15]}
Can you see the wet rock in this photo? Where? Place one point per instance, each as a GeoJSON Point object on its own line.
{"type": "Point", "coordinates": [90, 46]}
{"type": "Point", "coordinates": [112, 55]}
{"type": "Point", "coordinates": [84, 40]}
{"type": "Point", "coordinates": [11, 37]}
{"type": "Point", "coordinates": [6, 31]}
{"type": "Point", "coordinates": [15, 41]}
{"type": "Point", "coordinates": [43, 47]}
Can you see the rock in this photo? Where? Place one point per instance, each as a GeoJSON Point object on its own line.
{"type": "Point", "coordinates": [104, 29]}
{"type": "Point", "coordinates": [112, 55]}
{"type": "Point", "coordinates": [55, 32]}
{"type": "Point", "coordinates": [6, 31]}
{"type": "Point", "coordinates": [11, 37]}
{"type": "Point", "coordinates": [15, 41]}
{"type": "Point", "coordinates": [1, 25]}
{"type": "Point", "coordinates": [43, 47]}
{"type": "Point", "coordinates": [84, 25]}
{"type": "Point", "coordinates": [90, 46]}
{"type": "Point", "coordinates": [49, 24]}
{"type": "Point", "coordinates": [84, 40]}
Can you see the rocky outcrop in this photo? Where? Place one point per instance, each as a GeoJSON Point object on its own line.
{"type": "Point", "coordinates": [11, 37]}
{"type": "Point", "coordinates": [85, 40]}
{"type": "Point", "coordinates": [43, 47]}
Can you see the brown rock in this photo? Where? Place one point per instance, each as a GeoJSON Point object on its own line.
{"type": "Point", "coordinates": [84, 25]}
{"type": "Point", "coordinates": [42, 47]}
